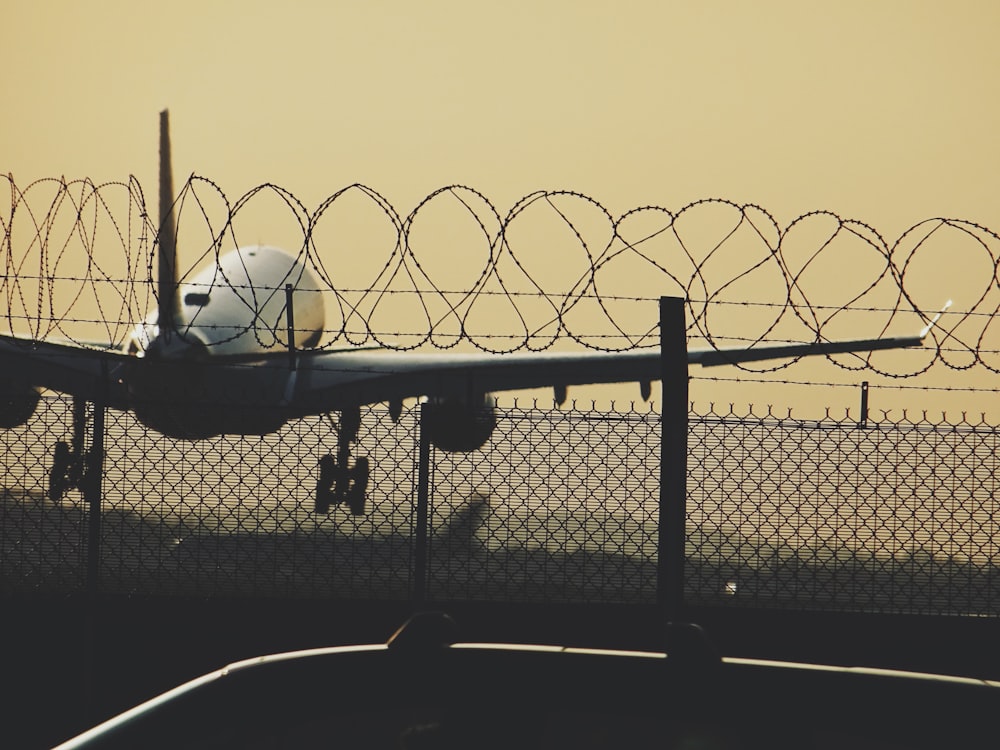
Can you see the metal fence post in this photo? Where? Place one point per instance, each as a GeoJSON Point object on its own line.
{"type": "Point", "coordinates": [673, 457]}
{"type": "Point", "coordinates": [91, 487]}
{"type": "Point", "coordinates": [92, 480]}
{"type": "Point", "coordinates": [420, 542]}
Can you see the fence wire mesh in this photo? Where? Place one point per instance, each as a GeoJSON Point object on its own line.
{"type": "Point", "coordinates": [889, 517]}
{"type": "Point", "coordinates": [560, 506]}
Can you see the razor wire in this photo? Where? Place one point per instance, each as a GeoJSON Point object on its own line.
{"type": "Point", "coordinates": [558, 267]}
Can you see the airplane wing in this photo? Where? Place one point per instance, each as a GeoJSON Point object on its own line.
{"type": "Point", "coordinates": [329, 380]}
{"type": "Point", "coordinates": [372, 376]}
{"type": "Point", "coordinates": [89, 373]}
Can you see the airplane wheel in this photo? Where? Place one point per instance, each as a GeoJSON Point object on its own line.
{"type": "Point", "coordinates": [58, 476]}
{"type": "Point", "coordinates": [322, 505]}
{"type": "Point", "coordinates": [356, 495]}
{"type": "Point", "coordinates": [327, 473]}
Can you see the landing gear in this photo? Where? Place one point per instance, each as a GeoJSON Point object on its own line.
{"type": "Point", "coordinates": [339, 485]}
{"type": "Point", "coordinates": [71, 464]}
{"type": "Point", "coordinates": [339, 482]}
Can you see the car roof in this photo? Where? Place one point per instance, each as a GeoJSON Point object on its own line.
{"type": "Point", "coordinates": [501, 693]}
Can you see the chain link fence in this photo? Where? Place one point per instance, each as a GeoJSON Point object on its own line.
{"type": "Point", "coordinates": [561, 505]}
{"type": "Point", "coordinates": [890, 517]}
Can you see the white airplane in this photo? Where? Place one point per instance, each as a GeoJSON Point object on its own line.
{"type": "Point", "coordinates": [215, 358]}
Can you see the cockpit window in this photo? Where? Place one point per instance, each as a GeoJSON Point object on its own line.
{"type": "Point", "coordinates": [199, 299]}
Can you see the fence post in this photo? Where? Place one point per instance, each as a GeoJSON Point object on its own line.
{"type": "Point", "coordinates": [420, 543]}
{"type": "Point", "coordinates": [91, 487]}
{"type": "Point", "coordinates": [93, 476]}
{"type": "Point", "coordinates": [673, 457]}
{"type": "Point", "coordinates": [290, 325]}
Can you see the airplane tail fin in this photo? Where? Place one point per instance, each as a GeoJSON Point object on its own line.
{"type": "Point", "coordinates": [166, 291]}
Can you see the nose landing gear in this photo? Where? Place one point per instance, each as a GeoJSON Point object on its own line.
{"type": "Point", "coordinates": [72, 466]}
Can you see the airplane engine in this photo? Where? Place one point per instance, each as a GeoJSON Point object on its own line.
{"type": "Point", "coordinates": [456, 426]}
{"type": "Point", "coordinates": [18, 402]}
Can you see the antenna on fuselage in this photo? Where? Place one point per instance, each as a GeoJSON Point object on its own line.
{"type": "Point", "coordinates": [167, 237]}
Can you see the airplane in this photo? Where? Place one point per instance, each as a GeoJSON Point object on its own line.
{"type": "Point", "coordinates": [233, 351]}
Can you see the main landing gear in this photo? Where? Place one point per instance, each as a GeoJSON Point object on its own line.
{"type": "Point", "coordinates": [71, 464]}
{"type": "Point", "coordinates": [339, 482]}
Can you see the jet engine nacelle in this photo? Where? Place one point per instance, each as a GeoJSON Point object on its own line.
{"type": "Point", "coordinates": [458, 426]}
{"type": "Point", "coordinates": [18, 402]}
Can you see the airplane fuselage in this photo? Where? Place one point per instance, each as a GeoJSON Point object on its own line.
{"type": "Point", "coordinates": [234, 311]}
{"type": "Point", "coordinates": [238, 306]}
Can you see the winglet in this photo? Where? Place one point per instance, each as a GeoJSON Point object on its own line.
{"type": "Point", "coordinates": [927, 328]}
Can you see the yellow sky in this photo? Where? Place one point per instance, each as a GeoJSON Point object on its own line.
{"type": "Point", "coordinates": [882, 111]}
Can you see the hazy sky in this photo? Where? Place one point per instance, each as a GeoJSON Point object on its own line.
{"type": "Point", "coordinates": [883, 111]}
